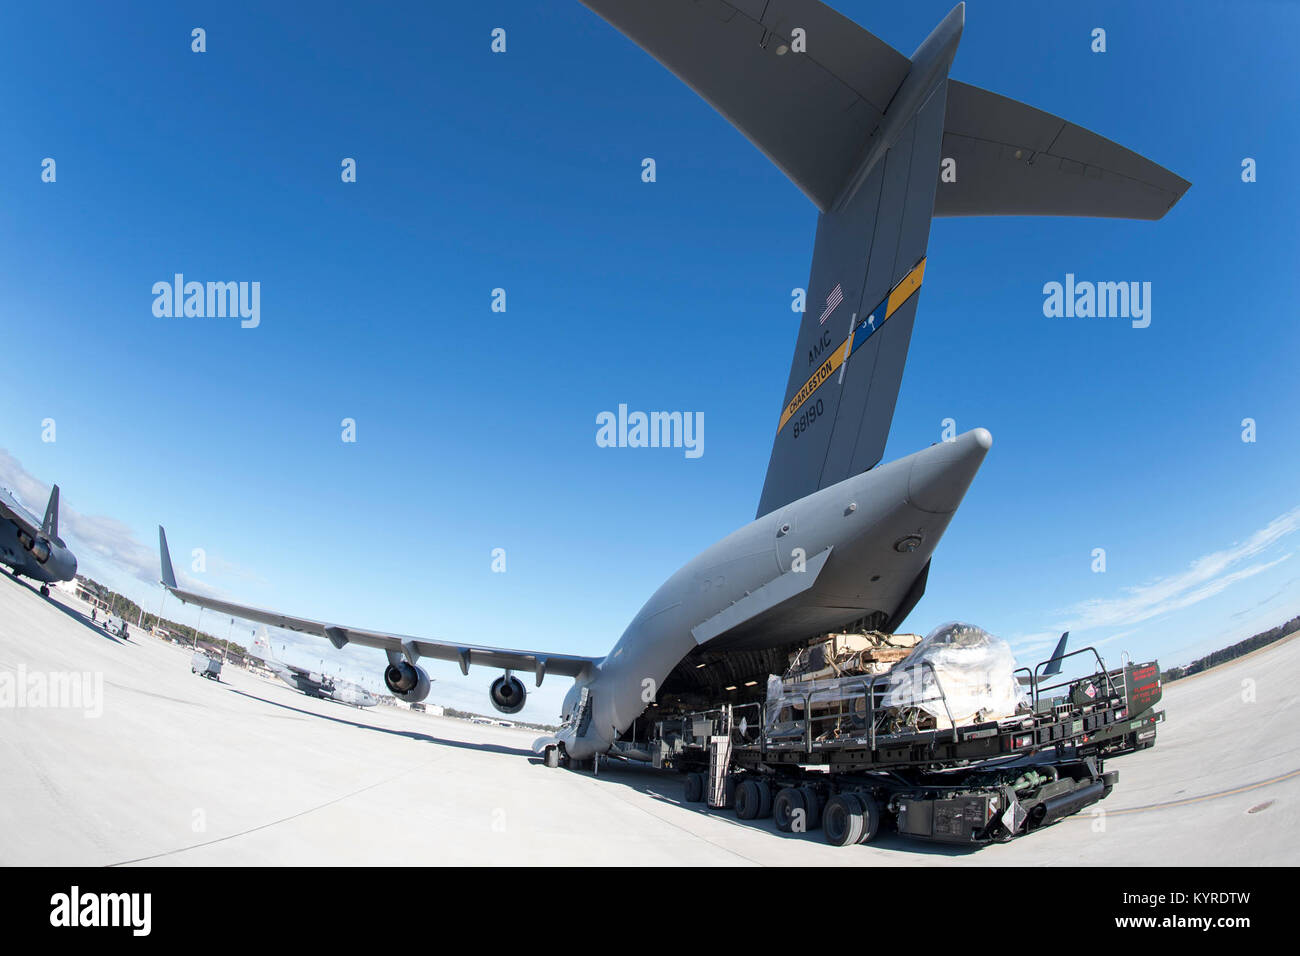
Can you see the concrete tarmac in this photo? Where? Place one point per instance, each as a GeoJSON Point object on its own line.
{"type": "Point", "coordinates": [178, 770]}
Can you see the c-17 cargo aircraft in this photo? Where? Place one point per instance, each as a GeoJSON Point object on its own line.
{"type": "Point", "coordinates": [312, 683]}
{"type": "Point", "coordinates": [839, 540]}
{"type": "Point", "coordinates": [34, 549]}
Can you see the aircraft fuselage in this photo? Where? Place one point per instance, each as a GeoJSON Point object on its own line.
{"type": "Point", "coordinates": [41, 559]}
{"type": "Point", "coordinates": [864, 541]}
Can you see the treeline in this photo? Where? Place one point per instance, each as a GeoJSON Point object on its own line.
{"type": "Point", "coordinates": [1239, 649]}
{"type": "Point", "coordinates": [136, 616]}
{"type": "Point", "coordinates": [467, 715]}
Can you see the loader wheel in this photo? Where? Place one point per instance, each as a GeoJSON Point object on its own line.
{"type": "Point", "coordinates": [842, 820]}
{"type": "Point", "coordinates": [790, 810]}
{"type": "Point", "coordinates": [747, 800]}
{"type": "Point", "coordinates": [871, 817]}
{"type": "Point", "coordinates": [729, 788]}
{"type": "Point", "coordinates": [813, 802]}
{"type": "Point", "coordinates": [694, 787]}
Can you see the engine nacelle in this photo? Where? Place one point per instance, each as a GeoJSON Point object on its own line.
{"type": "Point", "coordinates": [39, 547]}
{"type": "Point", "coordinates": [407, 682]}
{"type": "Point", "coordinates": [508, 694]}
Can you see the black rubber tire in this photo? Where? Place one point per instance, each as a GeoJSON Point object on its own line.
{"type": "Point", "coordinates": [45, 592]}
{"type": "Point", "coordinates": [764, 799]}
{"type": "Point", "coordinates": [813, 803]}
{"type": "Point", "coordinates": [871, 817]}
{"type": "Point", "coordinates": [551, 757]}
{"type": "Point", "coordinates": [789, 807]}
{"type": "Point", "coordinates": [747, 800]}
{"type": "Point", "coordinates": [694, 787]}
{"type": "Point", "coordinates": [842, 820]}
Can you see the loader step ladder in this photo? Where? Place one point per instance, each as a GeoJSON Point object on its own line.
{"type": "Point", "coordinates": [720, 760]}
{"type": "Point", "coordinates": [719, 763]}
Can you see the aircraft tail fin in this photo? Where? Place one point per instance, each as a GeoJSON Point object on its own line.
{"type": "Point", "coordinates": [868, 265]}
{"type": "Point", "coordinates": [50, 526]}
{"type": "Point", "coordinates": [168, 576]}
{"type": "Point", "coordinates": [866, 133]}
{"type": "Point", "coordinates": [1054, 662]}
{"type": "Point", "coordinates": [262, 644]}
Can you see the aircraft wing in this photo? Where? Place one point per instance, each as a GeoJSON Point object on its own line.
{"type": "Point", "coordinates": [810, 112]}
{"type": "Point", "coordinates": [12, 511]}
{"type": "Point", "coordinates": [539, 662]}
{"type": "Point", "coordinates": [1015, 160]}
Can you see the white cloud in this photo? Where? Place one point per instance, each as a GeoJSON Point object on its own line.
{"type": "Point", "coordinates": [105, 538]}
{"type": "Point", "coordinates": [100, 535]}
{"type": "Point", "coordinates": [1204, 578]}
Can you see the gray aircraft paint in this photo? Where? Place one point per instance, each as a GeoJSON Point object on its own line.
{"type": "Point", "coordinates": [312, 683]}
{"type": "Point", "coordinates": [854, 124]}
{"type": "Point", "coordinates": [858, 521]}
{"type": "Point", "coordinates": [23, 541]}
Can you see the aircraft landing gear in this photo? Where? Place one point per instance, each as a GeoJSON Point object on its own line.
{"type": "Point", "coordinates": [551, 757]}
{"type": "Point", "coordinates": [45, 590]}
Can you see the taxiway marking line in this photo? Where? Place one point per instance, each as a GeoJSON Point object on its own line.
{"type": "Point", "coordinates": [1188, 801]}
{"type": "Point", "coordinates": [292, 816]}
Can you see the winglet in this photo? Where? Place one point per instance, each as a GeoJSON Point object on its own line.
{"type": "Point", "coordinates": [1054, 662]}
{"type": "Point", "coordinates": [168, 575]}
{"type": "Point", "coordinates": [50, 526]}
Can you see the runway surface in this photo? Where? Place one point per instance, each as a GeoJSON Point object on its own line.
{"type": "Point", "coordinates": [178, 770]}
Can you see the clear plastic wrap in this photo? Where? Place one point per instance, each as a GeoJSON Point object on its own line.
{"type": "Point", "coordinates": [788, 702]}
{"type": "Point", "coordinates": [975, 669]}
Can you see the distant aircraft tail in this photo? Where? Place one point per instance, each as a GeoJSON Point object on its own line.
{"type": "Point", "coordinates": [50, 526]}
{"type": "Point", "coordinates": [1054, 662]}
{"type": "Point", "coordinates": [262, 644]}
{"type": "Point", "coordinates": [166, 575]}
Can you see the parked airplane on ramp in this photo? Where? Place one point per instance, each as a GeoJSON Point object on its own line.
{"type": "Point", "coordinates": [312, 683]}
{"type": "Point", "coordinates": [839, 540]}
{"type": "Point", "coordinates": [34, 549]}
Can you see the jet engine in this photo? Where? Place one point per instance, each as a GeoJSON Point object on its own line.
{"type": "Point", "coordinates": [407, 682]}
{"type": "Point", "coordinates": [508, 694]}
{"type": "Point", "coordinates": [39, 547]}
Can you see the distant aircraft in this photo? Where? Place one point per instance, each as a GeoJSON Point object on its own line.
{"type": "Point", "coordinates": [867, 134]}
{"type": "Point", "coordinates": [34, 549]}
{"type": "Point", "coordinates": [312, 683]}
{"type": "Point", "coordinates": [1053, 663]}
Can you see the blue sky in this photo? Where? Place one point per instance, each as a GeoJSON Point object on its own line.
{"type": "Point", "coordinates": [476, 430]}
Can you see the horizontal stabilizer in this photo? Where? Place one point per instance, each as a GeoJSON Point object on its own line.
{"type": "Point", "coordinates": [1014, 160]}
{"type": "Point", "coordinates": [811, 106]}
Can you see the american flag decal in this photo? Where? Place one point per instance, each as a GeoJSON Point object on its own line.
{"type": "Point", "coordinates": [832, 300]}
